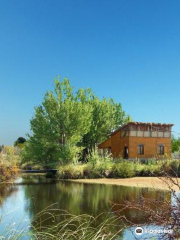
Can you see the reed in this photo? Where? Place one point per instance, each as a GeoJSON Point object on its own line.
{"type": "Point", "coordinates": [47, 225]}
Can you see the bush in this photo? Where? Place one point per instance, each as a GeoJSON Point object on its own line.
{"type": "Point", "coordinates": [123, 169]}
{"type": "Point", "coordinates": [91, 171]}
{"type": "Point", "coordinates": [7, 173]}
{"type": "Point", "coordinates": [171, 167]}
{"type": "Point", "coordinates": [150, 170]}
{"type": "Point", "coordinates": [105, 166]}
{"type": "Point", "coordinates": [98, 166]}
{"type": "Point", "coordinates": [70, 171]}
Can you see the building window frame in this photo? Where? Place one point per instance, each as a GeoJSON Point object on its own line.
{"type": "Point", "coordinates": [140, 149]}
{"type": "Point", "coordinates": [161, 149]}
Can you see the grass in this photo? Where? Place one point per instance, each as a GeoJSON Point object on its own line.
{"type": "Point", "coordinates": [106, 167]}
{"type": "Point", "coordinates": [71, 227]}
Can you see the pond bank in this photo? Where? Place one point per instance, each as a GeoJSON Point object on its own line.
{"type": "Point", "coordinates": [149, 182]}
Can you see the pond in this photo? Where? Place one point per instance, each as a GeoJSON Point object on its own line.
{"type": "Point", "coordinates": [22, 201]}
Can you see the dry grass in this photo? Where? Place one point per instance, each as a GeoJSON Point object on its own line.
{"type": "Point", "coordinates": [71, 227]}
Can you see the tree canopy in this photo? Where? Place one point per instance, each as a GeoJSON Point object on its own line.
{"type": "Point", "coordinates": [175, 144]}
{"type": "Point", "coordinates": [67, 122]}
{"type": "Point", "coordinates": [19, 142]}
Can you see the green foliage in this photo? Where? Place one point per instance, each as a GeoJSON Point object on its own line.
{"type": "Point", "coordinates": [9, 150]}
{"type": "Point", "coordinates": [123, 169]}
{"type": "Point", "coordinates": [171, 167]}
{"type": "Point", "coordinates": [150, 170]}
{"type": "Point", "coordinates": [70, 171]}
{"type": "Point", "coordinates": [8, 156]}
{"type": "Point", "coordinates": [19, 142]}
{"type": "Point", "coordinates": [58, 125]}
{"type": "Point", "coordinates": [70, 153]}
{"type": "Point", "coordinates": [67, 123]}
{"type": "Point", "coordinates": [105, 166]}
{"type": "Point", "coordinates": [94, 158]}
{"type": "Point", "coordinates": [107, 116]}
{"type": "Point", "coordinates": [175, 144]}
{"type": "Point", "coordinates": [97, 167]}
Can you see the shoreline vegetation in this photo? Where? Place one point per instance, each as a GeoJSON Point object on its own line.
{"type": "Point", "coordinates": [151, 173]}
{"type": "Point", "coordinates": [107, 167]}
{"type": "Point", "coordinates": [9, 160]}
{"type": "Point", "coordinates": [7, 174]}
{"type": "Point", "coordinates": [102, 170]}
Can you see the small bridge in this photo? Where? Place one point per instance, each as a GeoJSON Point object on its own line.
{"type": "Point", "coordinates": [39, 171]}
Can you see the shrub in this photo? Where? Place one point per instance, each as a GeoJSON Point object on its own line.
{"type": "Point", "coordinates": [70, 171]}
{"type": "Point", "coordinates": [92, 172]}
{"type": "Point", "coordinates": [123, 169]}
{"type": "Point", "coordinates": [171, 167]}
{"type": "Point", "coordinates": [7, 173]}
{"type": "Point", "coordinates": [150, 170]}
{"type": "Point", "coordinates": [94, 158]}
{"type": "Point", "coordinates": [98, 166]}
{"type": "Point", "coordinates": [105, 166]}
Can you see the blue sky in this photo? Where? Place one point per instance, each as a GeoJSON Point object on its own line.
{"type": "Point", "coordinates": [127, 50]}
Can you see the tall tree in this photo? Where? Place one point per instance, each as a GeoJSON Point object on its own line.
{"type": "Point", "coordinates": [59, 123]}
{"type": "Point", "coordinates": [107, 116]}
{"type": "Point", "coordinates": [68, 122]}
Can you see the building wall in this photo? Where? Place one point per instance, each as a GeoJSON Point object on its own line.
{"type": "Point", "coordinates": [117, 144]}
{"type": "Point", "coordinates": [105, 144]}
{"type": "Point", "coordinates": [150, 146]}
{"type": "Point", "coordinates": [124, 142]}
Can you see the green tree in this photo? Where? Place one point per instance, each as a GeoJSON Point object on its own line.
{"type": "Point", "coordinates": [107, 116]}
{"type": "Point", "coordinates": [59, 123]}
{"type": "Point", "coordinates": [19, 142]}
{"type": "Point", "coordinates": [68, 122]}
{"type": "Point", "coordinates": [175, 144]}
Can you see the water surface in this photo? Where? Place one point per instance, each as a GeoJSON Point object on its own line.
{"type": "Point", "coordinates": [31, 194]}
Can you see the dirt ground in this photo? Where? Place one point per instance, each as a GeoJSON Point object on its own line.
{"type": "Point", "coordinates": [149, 182]}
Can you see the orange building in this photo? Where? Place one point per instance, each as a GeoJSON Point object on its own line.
{"type": "Point", "coordinates": [139, 140]}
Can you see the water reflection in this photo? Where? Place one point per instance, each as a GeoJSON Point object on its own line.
{"type": "Point", "coordinates": [6, 191]}
{"type": "Point", "coordinates": [77, 198]}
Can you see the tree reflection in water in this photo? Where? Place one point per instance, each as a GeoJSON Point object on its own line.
{"type": "Point", "coordinates": [5, 191]}
{"type": "Point", "coordinates": [92, 199]}
{"type": "Point", "coordinates": [80, 198]}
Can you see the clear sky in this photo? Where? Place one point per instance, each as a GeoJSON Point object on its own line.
{"type": "Point", "coordinates": [125, 49]}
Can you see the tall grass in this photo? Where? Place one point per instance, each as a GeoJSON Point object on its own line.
{"type": "Point", "coordinates": [105, 166]}
{"type": "Point", "coordinates": [46, 226]}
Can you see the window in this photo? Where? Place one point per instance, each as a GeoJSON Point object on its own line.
{"type": "Point", "coordinates": [140, 149]}
{"type": "Point", "coordinates": [161, 149]}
